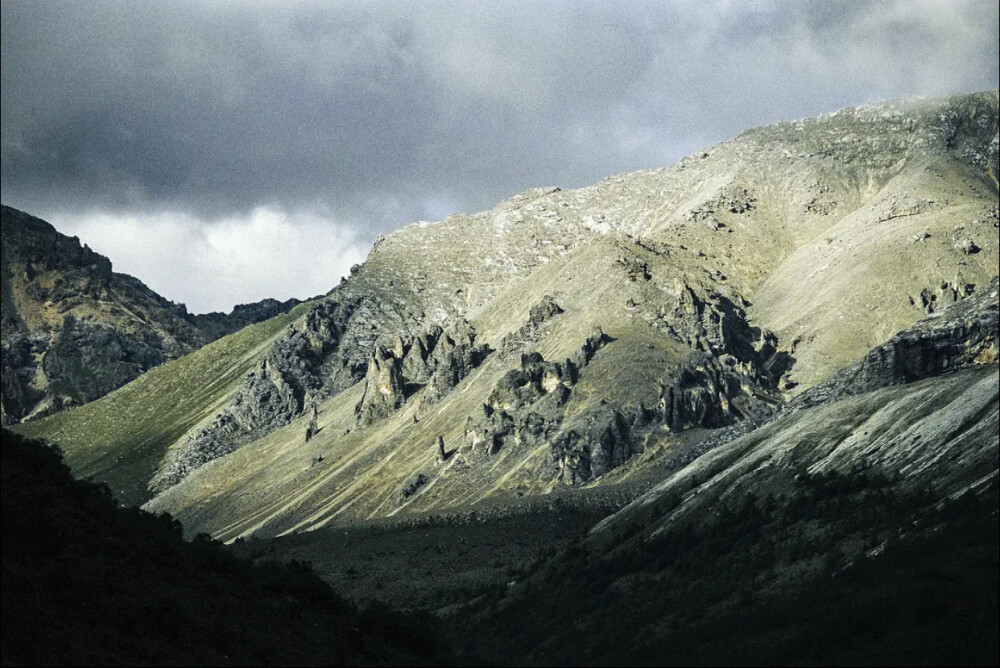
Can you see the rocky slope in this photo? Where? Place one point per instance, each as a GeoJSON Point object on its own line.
{"type": "Point", "coordinates": [921, 409]}
{"type": "Point", "coordinates": [585, 338]}
{"type": "Point", "coordinates": [216, 324]}
{"type": "Point", "coordinates": [857, 523]}
{"type": "Point", "coordinates": [74, 330]}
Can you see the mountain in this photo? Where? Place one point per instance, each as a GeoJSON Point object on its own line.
{"type": "Point", "coordinates": [769, 366]}
{"type": "Point", "coordinates": [74, 330]}
{"type": "Point", "coordinates": [216, 324]}
{"type": "Point", "coordinates": [593, 335]}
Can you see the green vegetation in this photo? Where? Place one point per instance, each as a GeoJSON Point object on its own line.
{"type": "Point", "coordinates": [85, 582]}
{"type": "Point", "coordinates": [122, 438]}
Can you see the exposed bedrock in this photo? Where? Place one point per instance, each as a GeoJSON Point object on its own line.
{"type": "Point", "coordinates": [532, 330]}
{"type": "Point", "coordinates": [592, 444]}
{"type": "Point", "coordinates": [303, 365]}
{"type": "Point", "coordinates": [712, 393]}
{"type": "Point", "coordinates": [527, 405]}
{"type": "Point", "coordinates": [384, 388]}
{"type": "Point", "coordinates": [731, 374]}
{"type": "Point", "coordinates": [436, 360]}
{"type": "Point", "coordinates": [718, 325]}
{"type": "Point", "coordinates": [965, 334]}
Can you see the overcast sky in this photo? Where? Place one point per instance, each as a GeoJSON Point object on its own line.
{"type": "Point", "coordinates": [224, 152]}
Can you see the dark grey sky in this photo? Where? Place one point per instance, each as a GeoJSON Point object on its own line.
{"type": "Point", "coordinates": [228, 151]}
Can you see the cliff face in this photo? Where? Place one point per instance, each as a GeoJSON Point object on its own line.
{"type": "Point", "coordinates": [74, 330]}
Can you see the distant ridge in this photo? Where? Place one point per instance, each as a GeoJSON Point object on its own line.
{"type": "Point", "coordinates": [74, 330]}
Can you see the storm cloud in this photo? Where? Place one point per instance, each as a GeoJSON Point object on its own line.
{"type": "Point", "coordinates": [229, 151]}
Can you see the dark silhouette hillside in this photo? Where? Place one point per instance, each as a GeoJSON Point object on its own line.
{"type": "Point", "coordinates": [769, 581]}
{"type": "Point", "coordinates": [86, 582]}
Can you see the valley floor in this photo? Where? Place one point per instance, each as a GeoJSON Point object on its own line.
{"type": "Point", "coordinates": [439, 562]}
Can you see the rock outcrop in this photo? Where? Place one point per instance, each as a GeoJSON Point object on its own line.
{"type": "Point", "coordinates": [715, 324]}
{"type": "Point", "coordinates": [436, 360]}
{"type": "Point", "coordinates": [270, 397]}
{"type": "Point", "coordinates": [319, 359]}
{"type": "Point", "coordinates": [709, 392]}
{"type": "Point", "coordinates": [413, 485]}
{"type": "Point", "coordinates": [963, 335]}
{"type": "Point", "coordinates": [532, 330]}
{"type": "Point", "coordinates": [300, 367]}
{"type": "Point", "coordinates": [592, 444]}
{"type": "Point", "coordinates": [454, 357]}
{"type": "Point", "coordinates": [384, 391]}
{"type": "Point", "coordinates": [527, 406]}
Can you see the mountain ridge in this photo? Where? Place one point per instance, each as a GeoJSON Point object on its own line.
{"type": "Point", "coordinates": [721, 287]}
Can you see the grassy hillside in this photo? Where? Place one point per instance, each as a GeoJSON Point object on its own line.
{"type": "Point", "coordinates": [122, 438]}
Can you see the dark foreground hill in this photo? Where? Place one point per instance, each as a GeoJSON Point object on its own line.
{"type": "Point", "coordinates": [845, 570]}
{"type": "Point", "coordinates": [88, 583]}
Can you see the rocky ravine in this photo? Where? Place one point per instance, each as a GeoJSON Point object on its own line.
{"type": "Point", "coordinates": [74, 330]}
{"type": "Point", "coordinates": [578, 338]}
